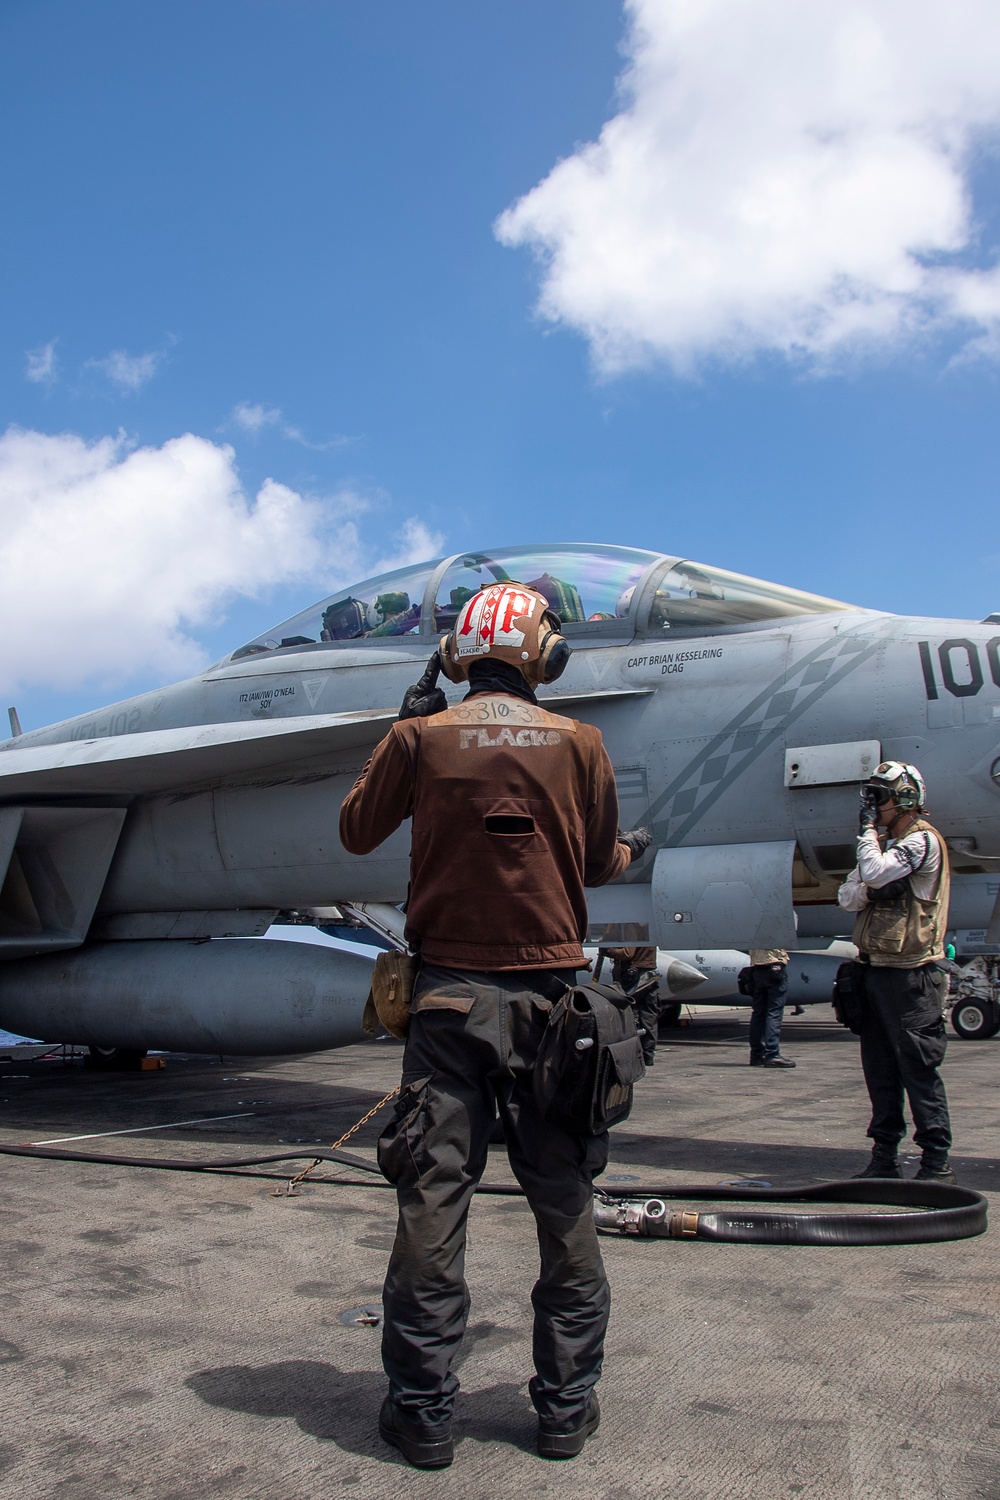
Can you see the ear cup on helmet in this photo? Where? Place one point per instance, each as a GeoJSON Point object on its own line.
{"type": "Point", "coordinates": [452, 669]}
{"type": "Point", "coordinates": [556, 653]}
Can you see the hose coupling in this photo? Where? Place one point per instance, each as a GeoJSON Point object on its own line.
{"type": "Point", "coordinates": [639, 1217]}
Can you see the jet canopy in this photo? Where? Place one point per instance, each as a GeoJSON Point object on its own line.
{"type": "Point", "coordinates": [599, 592]}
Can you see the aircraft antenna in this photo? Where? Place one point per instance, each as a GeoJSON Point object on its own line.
{"type": "Point", "coordinates": [15, 723]}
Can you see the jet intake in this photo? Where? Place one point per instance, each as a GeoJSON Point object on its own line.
{"type": "Point", "coordinates": [724, 896]}
{"type": "Point", "coordinates": [244, 996]}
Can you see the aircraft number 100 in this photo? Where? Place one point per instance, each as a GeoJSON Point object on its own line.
{"type": "Point", "coordinates": [961, 666]}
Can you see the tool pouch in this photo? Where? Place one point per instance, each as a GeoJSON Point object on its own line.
{"type": "Point", "coordinates": [589, 1059]}
{"type": "Point", "coordinates": [624, 974]}
{"type": "Point", "coordinates": [391, 994]}
{"type": "Point", "coordinates": [849, 995]}
{"type": "Point", "coordinates": [744, 983]}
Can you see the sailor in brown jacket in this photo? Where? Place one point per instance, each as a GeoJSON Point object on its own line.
{"type": "Point", "coordinates": [900, 894]}
{"type": "Point", "coordinates": [514, 812]}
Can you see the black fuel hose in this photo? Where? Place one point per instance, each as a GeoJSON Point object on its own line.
{"type": "Point", "coordinates": [186, 1164]}
{"type": "Point", "coordinates": [948, 1212]}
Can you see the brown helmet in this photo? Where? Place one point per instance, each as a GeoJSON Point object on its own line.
{"type": "Point", "coordinates": [506, 622]}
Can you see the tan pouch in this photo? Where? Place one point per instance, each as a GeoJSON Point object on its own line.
{"type": "Point", "coordinates": [391, 994]}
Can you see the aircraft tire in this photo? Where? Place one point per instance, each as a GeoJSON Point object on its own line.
{"type": "Point", "coordinates": [114, 1059]}
{"type": "Point", "coordinates": [670, 1014]}
{"type": "Point", "coordinates": [975, 1020]}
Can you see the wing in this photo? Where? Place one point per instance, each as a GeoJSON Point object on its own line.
{"type": "Point", "coordinates": [158, 760]}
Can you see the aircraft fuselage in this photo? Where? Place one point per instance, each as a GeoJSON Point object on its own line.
{"type": "Point", "coordinates": [699, 729]}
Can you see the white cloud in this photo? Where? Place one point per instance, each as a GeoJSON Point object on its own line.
{"type": "Point", "coordinates": [112, 558]}
{"type": "Point", "coordinates": [253, 417]}
{"type": "Point", "coordinates": [129, 372]}
{"type": "Point", "coordinates": [414, 543]}
{"type": "Point", "coordinates": [782, 177]}
{"type": "Point", "coordinates": [40, 364]}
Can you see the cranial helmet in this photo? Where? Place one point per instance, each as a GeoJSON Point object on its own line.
{"type": "Point", "coordinates": [625, 603]}
{"type": "Point", "coordinates": [506, 622]}
{"type": "Point", "coordinates": [900, 781]}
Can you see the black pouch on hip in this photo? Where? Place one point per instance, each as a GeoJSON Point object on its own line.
{"type": "Point", "coordinates": [744, 983]}
{"type": "Point", "coordinates": [849, 995]}
{"type": "Point", "coordinates": [589, 1059]}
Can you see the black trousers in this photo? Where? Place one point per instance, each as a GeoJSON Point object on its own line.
{"type": "Point", "coordinates": [902, 1046]}
{"type": "Point", "coordinates": [459, 1068]}
{"type": "Point", "coordinates": [645, 1002]}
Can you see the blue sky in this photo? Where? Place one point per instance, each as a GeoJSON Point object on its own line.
{"type": "Point", "coordinates": [271, 224]}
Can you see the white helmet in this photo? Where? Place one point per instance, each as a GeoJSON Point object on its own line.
{"type": "Point", "coordinates": [900, 781]}
{"type": "Point", "coordinates": [624, 603]}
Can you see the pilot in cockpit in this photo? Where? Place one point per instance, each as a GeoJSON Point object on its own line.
{"type": "Point", "coordinates": [445, 615]}
{"type": "Point", "coordinates": [352, 619]}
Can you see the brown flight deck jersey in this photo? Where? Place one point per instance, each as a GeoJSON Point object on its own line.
{"type": "Point", "coordinates": [639, 958]}
{"type": "Point", "coordinates": [514, 811]}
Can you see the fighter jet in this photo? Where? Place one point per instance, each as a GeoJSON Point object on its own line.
{"type": "Point", "coordinates": [145, 848]}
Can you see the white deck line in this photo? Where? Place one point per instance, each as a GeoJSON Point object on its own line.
{"type": "Point", "coordinates": [59, 1140]}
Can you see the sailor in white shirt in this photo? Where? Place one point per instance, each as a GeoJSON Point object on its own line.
{"type": "Point", "coordinates": [900, 894]}
{"type": "Point", "coordinates": [916, 856]}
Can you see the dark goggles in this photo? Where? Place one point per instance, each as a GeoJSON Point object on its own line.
{"type": "Point", "coordinates": [880, 795]}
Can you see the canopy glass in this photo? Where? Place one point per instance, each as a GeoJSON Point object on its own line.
{"type": "Point", "coordinates": [597, 591]}
{"type": "Point", "coordinates": [584, 585]}
{"type": "Point", "coordinates": [389, 605]}
{"type": "Point", "coordinates": [695, 596]}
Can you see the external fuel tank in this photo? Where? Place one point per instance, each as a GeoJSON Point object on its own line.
{"type": "Point", "coordinates": [238, 995]}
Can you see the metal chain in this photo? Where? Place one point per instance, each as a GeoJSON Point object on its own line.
{"type": "Point", "coordinates": [364, 1120]}
{"type": "Point", "coordinates": [289, 1190]}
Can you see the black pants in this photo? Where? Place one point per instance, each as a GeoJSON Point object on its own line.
{"type": "Point", "coordinates": [459, 1067]}
{"type": "Point", "coordinates": [770, 990]}
{"type": "Point", "coordinates": [902, 1045]}
{"type": "Point", "coordinates": [645, 1002]}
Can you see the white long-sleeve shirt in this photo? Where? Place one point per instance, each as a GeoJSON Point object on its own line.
{"type": "Point", "coordinates": [915, 854]}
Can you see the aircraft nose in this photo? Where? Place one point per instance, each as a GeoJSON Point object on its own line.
{"type": "Point", "coordinates": [681, 976]}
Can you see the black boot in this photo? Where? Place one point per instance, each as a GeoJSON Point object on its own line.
{"type": "Point", "coordinates": [935, 1167]}
{"type": "Point", "coordinates": [568, 1444]}
{"type": "Point", "coordinates": [424, 1448]}
{"type": "Point", "coordinates": [884, 1163]}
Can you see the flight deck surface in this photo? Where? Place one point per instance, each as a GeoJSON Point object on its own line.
{"type": "Point", "coordinates": [180, 1337]}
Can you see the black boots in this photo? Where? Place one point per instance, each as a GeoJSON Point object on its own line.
{"type": "Point", "coordinates": [934, 1166]}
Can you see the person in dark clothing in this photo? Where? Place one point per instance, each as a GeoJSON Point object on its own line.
{"type": "Point", "coordinates": [769, 967]}
{"type": "Point", "coordinates": [900, 894]}
{"type": "Point", "coordinates": [634, 968]}
{"type": "Point", "coordinates": [514, 811]}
